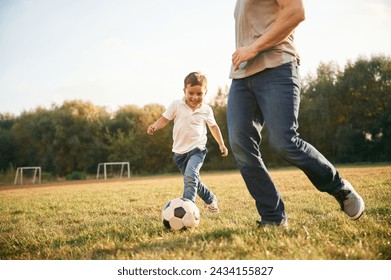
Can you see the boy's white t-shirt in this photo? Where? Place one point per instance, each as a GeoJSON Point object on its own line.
{"type": "Point", "coordinates": [189, 126]}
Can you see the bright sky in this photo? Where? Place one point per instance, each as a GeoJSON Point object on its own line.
{"type": "Point", "coordinates": [118, 52]}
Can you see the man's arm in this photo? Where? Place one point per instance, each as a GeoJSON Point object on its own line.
{"type": "Point", "coordinates": [290, 14]}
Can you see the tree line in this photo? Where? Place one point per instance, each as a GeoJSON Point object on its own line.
{"type": "Point", "coordinates": [345, 113]}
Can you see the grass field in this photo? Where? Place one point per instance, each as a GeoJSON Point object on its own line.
{"type": "Point", "coordinates": [121, 220]}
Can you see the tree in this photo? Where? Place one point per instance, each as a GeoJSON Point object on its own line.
{"type": "Point", "coordinates": [346, 113]}
{"type": "Point", "coordinates": [318, 116]}
{"type": "Point", "coordinates": [63, 139]}
{"type": "Point", "coordinates": [365, 91]}
{"type": "Point", "coordinates": [127, 140]}
{"type": "Point", "coordinates": [79, 138]}
{"type": "Point", "coordinates": [214, 161]}
{"type": "Point", "coordinates": [7, 142]}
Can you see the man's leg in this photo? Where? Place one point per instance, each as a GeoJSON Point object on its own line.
{"type": "Point", "coordinates": [245, 121]}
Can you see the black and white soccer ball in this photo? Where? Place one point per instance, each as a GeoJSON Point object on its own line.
{"type": "Point", "coordinates": [180, 213]}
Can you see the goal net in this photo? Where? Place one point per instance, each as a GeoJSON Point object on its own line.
{"type": "Point", "coordinates": [104, 165]}
{"type": "Point", "coordinates": [21, 171]}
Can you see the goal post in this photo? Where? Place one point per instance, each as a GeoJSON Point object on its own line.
{"type": "Point", "coordinates": [105, 164]}
{"type": "Point", "coordinates": [19, 172]}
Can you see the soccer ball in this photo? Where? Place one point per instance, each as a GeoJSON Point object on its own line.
{"type": "Point", "coordinates": [180, 213]}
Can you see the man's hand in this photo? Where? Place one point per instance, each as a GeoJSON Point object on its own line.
{"type": "Point", "coordinates": [243, 54]}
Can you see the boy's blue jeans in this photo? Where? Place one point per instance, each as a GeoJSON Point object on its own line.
{"type": "Point", "coordinates": [271, 99]}
{"type": "Point", "coordinates": [190, 164]}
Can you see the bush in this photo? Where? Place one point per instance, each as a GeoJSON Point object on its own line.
{"type": "Point", "coordinates": [76, 175]}
{"type": "Point", "coordinates": [48, 177]}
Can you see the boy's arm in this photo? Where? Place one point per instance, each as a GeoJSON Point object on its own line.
{"type": "Point", "coordinates": [159, 124]}
{"type": "Point", "coordinates": [215, 130]}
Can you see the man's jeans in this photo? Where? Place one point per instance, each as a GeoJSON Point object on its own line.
{"type": "Point", "coordinates": [271, 99]}
{"type": "Point", "coordinates": [190, 164]}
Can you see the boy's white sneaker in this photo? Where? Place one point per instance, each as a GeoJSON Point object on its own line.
{"type": "Point", "coordinates": [213, 207]}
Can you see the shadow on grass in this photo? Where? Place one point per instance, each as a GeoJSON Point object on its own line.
{"type": "Point", "coordinates": [166, 241]}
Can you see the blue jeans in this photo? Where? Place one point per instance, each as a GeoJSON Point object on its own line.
{"type": "Point", "coordinates": [271, 99]}
{"type": "Point", "coordinates": [190, 164]}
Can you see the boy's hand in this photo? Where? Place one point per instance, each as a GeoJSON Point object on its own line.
{"type": "Point", "coordinates": [151, 129]}
{"type": "Point", "coordinates": [224, 151]}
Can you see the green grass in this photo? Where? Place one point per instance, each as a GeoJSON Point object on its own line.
{"type": "Point", "coordinates": [121, 220]}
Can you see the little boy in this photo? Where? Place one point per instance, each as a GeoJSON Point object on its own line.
{"type": "Point", "coordinates": [191, 116]}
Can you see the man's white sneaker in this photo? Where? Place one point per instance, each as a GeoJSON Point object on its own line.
{"type": "Point", "coordinates": [350, 201]}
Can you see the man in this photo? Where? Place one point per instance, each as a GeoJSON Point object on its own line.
{"type": "Point", "coordinates": [265, 92]}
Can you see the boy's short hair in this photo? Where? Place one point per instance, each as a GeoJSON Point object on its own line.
{"type": "Point", "coordinates": [196, 79]}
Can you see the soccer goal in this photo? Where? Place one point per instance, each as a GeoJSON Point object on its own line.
{"type": "Point", "coordinates": [19, 173]}
{"type": "Point", "coordinates": [105, 164]}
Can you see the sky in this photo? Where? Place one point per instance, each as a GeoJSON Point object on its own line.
{"type": "Point", "coordinates": [119, 52]}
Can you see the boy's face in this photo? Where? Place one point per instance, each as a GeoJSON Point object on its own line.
{"type": "Point", "coordinates": [194, 95]}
